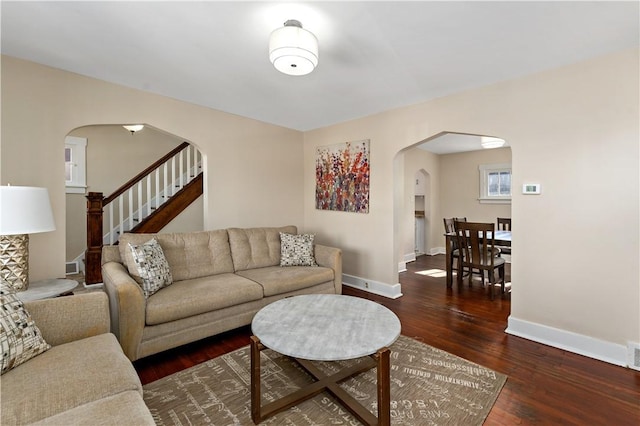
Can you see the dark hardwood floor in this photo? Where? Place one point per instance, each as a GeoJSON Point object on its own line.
{"type": "Point", "coordinates": [546, 386]}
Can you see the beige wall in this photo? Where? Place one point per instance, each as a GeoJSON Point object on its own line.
{"type": "Point", "coordinates": [460, 182]}
{"type": "Point", "coordinates": [253, 170]}
{"type": "Point", "coordinates": [416, 160]}
{"type": "Point", "coordinates": [114, 156]}
{"type": "Point", "coordinates": [575, 131]}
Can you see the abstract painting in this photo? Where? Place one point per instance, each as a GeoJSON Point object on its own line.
{"type": "Point", "coordinates": [342, 177]}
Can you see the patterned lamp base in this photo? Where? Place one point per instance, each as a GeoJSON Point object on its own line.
{"type": "Point", "coordinates": [14, 261]}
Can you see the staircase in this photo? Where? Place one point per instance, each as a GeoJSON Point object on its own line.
{"type": "Point", "coordinates": [146, 203]}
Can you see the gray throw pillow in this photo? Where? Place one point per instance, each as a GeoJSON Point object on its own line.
{"type": "Point", "coordinates": [20, 338]}
{"type": "Point", "coordinates": [152, 266]}
{"type": "Point", "coordinates": [296, 250]}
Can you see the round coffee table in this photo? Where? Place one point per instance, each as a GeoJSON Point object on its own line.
{"type": "Point", "coordinates": [325, 327]}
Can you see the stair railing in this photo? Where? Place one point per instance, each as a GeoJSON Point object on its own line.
{"type": "Point", "coordinates": [136, 200]}
{"type": "Point", "coordinates": [127, 207]}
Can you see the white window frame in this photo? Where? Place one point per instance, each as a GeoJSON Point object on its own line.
{"type": "Point", "coordinates": [484, 170]}
{"type": "Point", "coordinates": [78, 146]}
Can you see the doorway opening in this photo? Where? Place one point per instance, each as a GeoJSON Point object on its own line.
{"type": "Point", "coordinates": [443, 179]}
{"type": "Point", "coordinates": [112, 156]}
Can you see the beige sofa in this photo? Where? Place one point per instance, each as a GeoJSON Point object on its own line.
{"type": "Point", "coordinates": [221, 279]}
{"type": "Point", "coordinates": [84, 379]}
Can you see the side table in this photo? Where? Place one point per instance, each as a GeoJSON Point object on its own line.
{"type": "Point", "coordinates": [47, 288]}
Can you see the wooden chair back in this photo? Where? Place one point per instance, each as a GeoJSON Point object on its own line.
{"type": "Point", "coordinates": [449, 224]}
{"type": "Point", "coordinates": [504, 223]}
{"type": "Point", "coordinates": [475, 245]}
{"type": "Point", "coordinates": [450, 228]}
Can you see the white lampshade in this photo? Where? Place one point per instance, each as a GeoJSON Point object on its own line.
{"type": "Point", "coordinates": [25, 210]}
{"type": "Point", "coordinates": [293, 50]}
{"type": "Point", "coordinates": [490, 142]}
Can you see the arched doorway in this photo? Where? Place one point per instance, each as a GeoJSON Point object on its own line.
{"type": "Point", "coordinates": [113, 155]}
{"type": "Point", "coordinates": [453, 163]}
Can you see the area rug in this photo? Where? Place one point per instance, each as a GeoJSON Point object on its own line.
{"type": "Point", "coordinates": [428, 387]}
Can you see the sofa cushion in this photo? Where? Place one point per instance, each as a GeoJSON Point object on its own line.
{"type": "Point", "coordinates": [151, 265]}
{"type": "Point", "coordinates": [65, 377]}
{"type": "Point", "coordinates": [277, 280]}
{"type": "Point", "coordinates": [190, 254]}
{"type": "Point", "coordinates": [193, 297]}
{"type": "Point", "coordinates": [20, 338]}
{"type": "Point", "coordinates": [124, 408]}
{"type": "Point", "coordinates": [296, 250]}
{"type": "Point", "coordinates": [256, 247]}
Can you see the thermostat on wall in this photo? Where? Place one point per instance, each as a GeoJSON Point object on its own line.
{"type": "Point", "coordinates": [531, 188]}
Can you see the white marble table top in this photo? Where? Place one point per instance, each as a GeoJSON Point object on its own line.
{"type": "Point", "coordinates": [325, 327]}
{"type": "Point", "coordinates": [46, 288]}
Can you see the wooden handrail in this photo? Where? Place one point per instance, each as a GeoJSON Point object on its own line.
{"type": "Point", "coordinates": [172, 208]}
{"type": "Point", "coordinates": [144, 173]}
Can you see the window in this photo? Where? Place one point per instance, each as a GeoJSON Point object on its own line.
{"type": "Point", "coordinates": [75, 171]}
{"type": "Point", "coordinates": [495, 183]}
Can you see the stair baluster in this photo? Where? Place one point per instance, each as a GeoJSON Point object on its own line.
{"type": "Point", "coordinates": [164, 181]}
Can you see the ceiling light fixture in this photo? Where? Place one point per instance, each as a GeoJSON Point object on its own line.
{"type": "Point", "coordinates": [293, 50]}
{"type": "Point", "coordinates": [489, 142]}
{"type": "Point", "coordinates": [133, 127]}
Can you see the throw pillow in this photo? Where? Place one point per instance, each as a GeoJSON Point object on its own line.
{"type": "Point", "coordinates": [296, 250]}
{"type": "Point", "coordinates": [20, 338]}
{"type": "Point", "coordinates": [152, 266]}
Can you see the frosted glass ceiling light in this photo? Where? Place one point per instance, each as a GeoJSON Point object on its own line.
{"type": "Point", "coordinates": [488, 142]}
{"type": "Point", "coordinates": [293, 50]}
{"type": "Point", "coordinates": [134, 127]}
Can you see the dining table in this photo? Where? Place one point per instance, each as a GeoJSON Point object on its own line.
{"type": "Point", "coordinates": [500, 238]}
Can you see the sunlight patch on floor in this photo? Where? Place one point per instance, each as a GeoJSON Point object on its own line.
{"type": "Point", "coordinates": [435, 273]}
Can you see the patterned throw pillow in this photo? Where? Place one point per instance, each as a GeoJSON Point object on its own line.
{"type": "Point", "coordinates": [20, 338]}
{"type": "Point", "coordinates": [152, 266]}
{"type": "Point", "coordinates": [296, 250]}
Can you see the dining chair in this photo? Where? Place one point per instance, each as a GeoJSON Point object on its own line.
{"type": "Point", "coordinates": [504, 224]}
{"type": "Point", "coordinates": [449, 228]}
{"type": "Point", "coordinates": [476, 254]}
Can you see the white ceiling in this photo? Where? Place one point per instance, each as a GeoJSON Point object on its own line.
{"type": "Point", "coordinates": [374, 56]}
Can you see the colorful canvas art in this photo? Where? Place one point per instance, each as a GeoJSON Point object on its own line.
{"type": "Point", "coordinates": [342, 177]}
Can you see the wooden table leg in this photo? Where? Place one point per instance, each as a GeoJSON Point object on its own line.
{"type": "Point", "coordinates": [256, 396]}
{"type": "Point", "coordinates": [329, 383]}
{"type": "Point", "coordinates": [449, 260]}
{"type": "Point", "coordinates": [384, 387]}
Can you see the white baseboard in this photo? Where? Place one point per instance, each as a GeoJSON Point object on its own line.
{"type": "Point", "coordinates": [569, 341]}
{"type": "Point", "coordinates": [436, 250]}
{"type": "Point", "coordinates": [96, 285]}
{"type": "Point", "coordinates": [381, 289]}
{"type": "Point", "coordinates": [407, 258]}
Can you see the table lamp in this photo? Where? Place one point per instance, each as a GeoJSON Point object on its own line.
{"type": "Point", "coordinates": [24, 210]}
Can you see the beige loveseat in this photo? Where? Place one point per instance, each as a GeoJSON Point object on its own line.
{"type": "Point", "coordinates": [83, 379]}
{"type": "Point", "coordinates": [221, 278]}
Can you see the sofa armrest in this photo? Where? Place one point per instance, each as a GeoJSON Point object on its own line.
{"type": "Point", "coordinates": [331, 257]}
{"type": "Point", "coordinates": [127, 306]}
{"type": "Point", "coordinates": [65, 319]}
